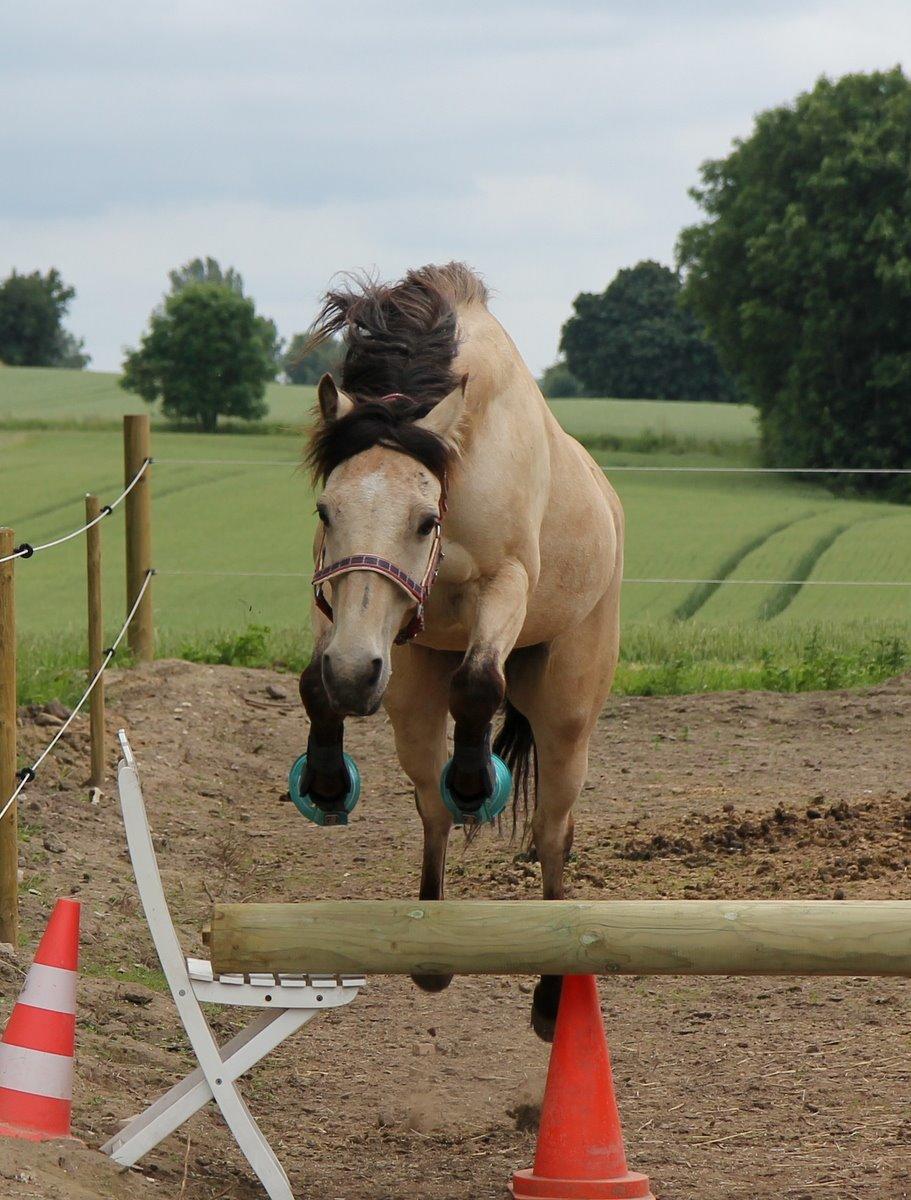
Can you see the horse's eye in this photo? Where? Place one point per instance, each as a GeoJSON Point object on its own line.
{"type": "Point", "coordinates": [427, 526]}
{"type": "Point", "coordinates": [322, 514]}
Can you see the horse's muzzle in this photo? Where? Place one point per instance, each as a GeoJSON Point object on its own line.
{"type": "Point", "coordinates": [355, 688]}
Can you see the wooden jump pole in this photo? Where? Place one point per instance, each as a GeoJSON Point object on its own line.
{"type": "Point", "coordinates": [95, 639]}
{"type": "Point", "coordinates": [566, 937]}
{"type": "Point", "coordinates": [9, 826]}
{"type": "Point", "coordinates": [138, 523]}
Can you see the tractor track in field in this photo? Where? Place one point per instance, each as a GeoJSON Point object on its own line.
{"type": "Point", "coordinates": [159, 493]}
{"type": "Point", "coordinates": [730, 1089]}
{"type": "Point", "coordinates": [785, 593]}
{"type": "Point", "coordinates": [700, 595]}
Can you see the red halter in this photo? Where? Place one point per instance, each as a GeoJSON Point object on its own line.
{"type": "Point", "coordinates": [419, 592]}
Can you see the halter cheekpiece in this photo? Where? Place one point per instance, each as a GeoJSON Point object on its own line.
{"type": "Point", "coordinates": [418, 591]}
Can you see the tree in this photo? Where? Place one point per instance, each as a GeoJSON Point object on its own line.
{"type": "Point", "coordinates": [558, 382]}
{"type": "Point", "coordinates": [308, 366]}
{"type": "Point", "coordinates": [206, 354]}
{"type": "Point", "coordinates": [205, 271]}
{"type": "Point", "coordinates": [634, 340]}
{"type": "Point", "coordinates": [32, 308]}
{"type": "Point", "coordinates": [802, 272]}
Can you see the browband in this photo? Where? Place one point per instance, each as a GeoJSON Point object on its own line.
{"type": "Point", "coordinates": [418, 592]}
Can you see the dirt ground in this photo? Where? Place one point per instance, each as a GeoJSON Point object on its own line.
{"type": "Point", "coordinates": [727, 1088]}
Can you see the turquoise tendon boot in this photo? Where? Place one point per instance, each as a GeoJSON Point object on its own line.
{"type": "Point", "coordinates": [312, 811]}
{"type": "Point", "coordinates": [491, 807]}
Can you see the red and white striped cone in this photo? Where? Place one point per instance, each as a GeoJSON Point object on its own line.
{"type": "Point", "coordinates": [36, 1053]}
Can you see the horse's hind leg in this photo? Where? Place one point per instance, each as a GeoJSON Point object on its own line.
{"type": "Point", "coordinates": [561, 694]}
{"type": "Point", "coordinates": [417, 700]}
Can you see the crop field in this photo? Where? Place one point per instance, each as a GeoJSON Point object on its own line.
{"type": "Point", "coordinates": [51, 397]}
{"type": "Point", "coordinates": [231, 542]}
{"type": "Point", "coordinates": [48, 396]}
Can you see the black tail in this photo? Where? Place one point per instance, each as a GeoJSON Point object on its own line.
{"type": "Point", "coordinates": [515, 744]}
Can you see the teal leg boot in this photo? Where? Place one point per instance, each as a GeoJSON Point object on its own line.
{"type": "Point", "coordinates": [300, 780]}
{"type": "Point", "coordinates": [486, 807]}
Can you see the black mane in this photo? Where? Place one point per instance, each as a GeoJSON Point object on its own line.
{"type": "Point", "coordinates": [389, 423]}
{"type": "Point", "coordinates": [399, 337]}
{"type": "Point", "coordinates": [401, 342]}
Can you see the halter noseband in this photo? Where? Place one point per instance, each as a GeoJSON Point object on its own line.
{"type": "Point", "coordinates": [419, 592]}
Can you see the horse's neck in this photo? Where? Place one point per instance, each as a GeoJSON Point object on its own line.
{"type": "Point", "coordinates": [496, 370]}
{"type": "Point", "coordinates": [504, 440]}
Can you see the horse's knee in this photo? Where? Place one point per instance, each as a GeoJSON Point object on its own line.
{"type": "Point", "coordinates": [477, 691]}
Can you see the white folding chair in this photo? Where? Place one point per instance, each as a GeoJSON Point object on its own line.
{"type": "Point", "coordinates": [288, 1001]}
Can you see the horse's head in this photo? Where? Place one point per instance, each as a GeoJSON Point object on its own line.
{"type": "Point", "coordinates": [384, 466]}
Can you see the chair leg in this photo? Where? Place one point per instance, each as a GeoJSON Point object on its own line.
{"type": "Point", "coordinates": [185, 1098]}
{"type": "Point", "coordinates": [252, 1141]}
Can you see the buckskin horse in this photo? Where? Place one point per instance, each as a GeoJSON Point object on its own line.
{"type": "Point", "coordinates": [468, 561]}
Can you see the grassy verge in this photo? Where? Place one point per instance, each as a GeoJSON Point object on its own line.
{"type": "Point", "coordinates": [646, 441]}
{"type": "Point", "coordinates": [657, 658]}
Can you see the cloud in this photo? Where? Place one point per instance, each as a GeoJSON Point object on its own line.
{"type": "Point", "coordinates": [549, 144]}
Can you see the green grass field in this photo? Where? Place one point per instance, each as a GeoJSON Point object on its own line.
{"type": "Point", "coordinates": [232, 544]}
{"type": "Point", "coordinates": [49, 397]}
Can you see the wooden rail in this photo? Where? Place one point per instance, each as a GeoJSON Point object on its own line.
{"type": "Point", "coordinates": [566, 937]}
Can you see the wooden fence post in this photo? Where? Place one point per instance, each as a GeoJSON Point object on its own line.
{"type": "Point", "coordinates": [136, 449]}
{"type": "Point", "coordinates": [9, 839]}
{"type": "Point", "coordinates": [96, 637]}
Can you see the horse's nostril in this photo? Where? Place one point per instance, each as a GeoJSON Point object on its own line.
{"type": "Point", "coordinates": [376, 666]}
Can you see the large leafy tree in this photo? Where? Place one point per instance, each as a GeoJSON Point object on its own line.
{"type": "Point", "coordinates": [634, 340]}
{"type": "Point", "coordinates": [206, 270]}
{"type": "Point", "coordinates": [802, 272]}
{"type": "Point", "coordinates": [32, 308]}
{"type": "Point", "coordinates": [303, 363]}
{"type": "Point", "coordinates": [206, 354]}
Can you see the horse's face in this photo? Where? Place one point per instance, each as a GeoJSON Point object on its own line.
{"type": "Point", "coordinates": [383, 503]}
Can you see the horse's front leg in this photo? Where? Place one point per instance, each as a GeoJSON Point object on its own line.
{"type": "Point", "coordinates": [325, 780]}
{"type": "Point", "coordinates": [476, 786]}
{"type": "Point", "coordinates": [416, 701]}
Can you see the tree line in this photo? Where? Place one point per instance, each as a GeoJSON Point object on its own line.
{"type": "Point", "coordinates": [206, 354]}
{"type": "Point", "coordinates": [793, 293]}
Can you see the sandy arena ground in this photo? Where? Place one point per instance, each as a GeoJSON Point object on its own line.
{"type": "Point", "coordinates": [728, 1088]}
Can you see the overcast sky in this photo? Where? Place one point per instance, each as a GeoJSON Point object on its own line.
{"type": "Point", "coordinates": [548, 144]}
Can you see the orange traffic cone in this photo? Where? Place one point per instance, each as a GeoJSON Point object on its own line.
{"type": "Point", "coordinates": [580, 1153]}
{"type": "Point", "coordinates": [36, 1053]}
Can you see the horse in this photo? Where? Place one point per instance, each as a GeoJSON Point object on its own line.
{"type": "Point", "coordinates": [469, 558]}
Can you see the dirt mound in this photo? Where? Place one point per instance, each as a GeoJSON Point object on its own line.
{"type": "Point", "coordinates": [728, 1088]}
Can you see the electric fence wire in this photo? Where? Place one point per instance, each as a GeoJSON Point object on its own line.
{"type": "Point", "coordinates": [291, 462]}
{"type": "Point", "coordinates": [27, 774]}
{"type": "Point", "coordinates": [26, 550]}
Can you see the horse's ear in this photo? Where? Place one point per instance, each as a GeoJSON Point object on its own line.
{"type": "Point", "coordinates": [444, 417]}
{"type": "Point", "coordinates": [332, 403]}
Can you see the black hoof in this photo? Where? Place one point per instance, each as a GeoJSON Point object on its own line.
{"type": "Point", "coordinates": [544, 1006]}
{"type": "Point", "coordinates": [432, 983]}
